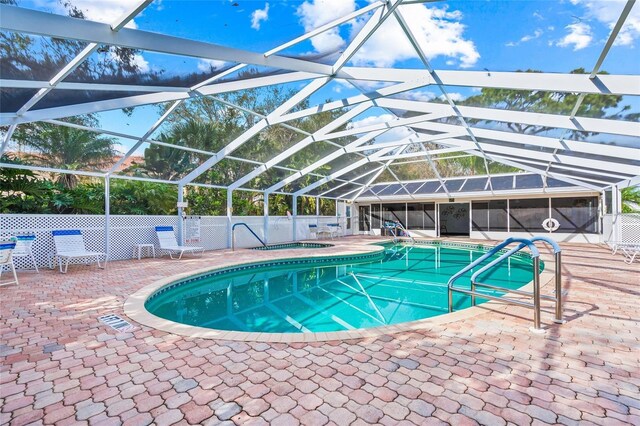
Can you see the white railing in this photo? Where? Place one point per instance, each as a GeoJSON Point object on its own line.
{"type": "Point", "coordinates": [126, 231]}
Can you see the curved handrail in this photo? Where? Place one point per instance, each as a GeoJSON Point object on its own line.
{"type": "Point", "coordinates": [548, 240]}
{"type": "Point", "coordinates": [233, 228]}
{"type": "Point", "coordinates": [505, 255]}
{"type": "Point", "coordinates": [535, 254]}
{"type": "Point", "coordinates": [557, 251]}
{"type": "Point", "coordinates": [508, 241]}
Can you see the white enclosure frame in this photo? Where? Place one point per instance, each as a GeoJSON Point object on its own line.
{"type": "Point", "coordinates": [587, 164]}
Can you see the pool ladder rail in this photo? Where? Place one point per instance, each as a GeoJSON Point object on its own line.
{"type": "Point", "coordinates": [393, 226]}
{"type": "Point", "coordinates": [535, 295]}
{"type": "Point", "coordinates": [233, 235]}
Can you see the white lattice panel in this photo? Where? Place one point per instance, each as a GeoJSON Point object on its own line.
{"type": "Point", "coordinates": [630, 228]}
{"type": "Point", "coordinates": [621, 228]}
{"type": "Point", "coordinates": [127, 231]}
{"type": "Point", "coordinates": [92, 228]}
{"type": "Point", "coordinates": [213, 232]}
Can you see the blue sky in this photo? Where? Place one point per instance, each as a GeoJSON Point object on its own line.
{"type": "Point", "coordinates": [551, 36]}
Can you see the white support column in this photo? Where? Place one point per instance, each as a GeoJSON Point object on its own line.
{"type": "Point", "coordinates": [107, 215]}
{"type": "Point", "coordinates": [294, 224]}
{"type": "Point", "coordinates": [265, 203]}
{"type": "Point", "coordinates": [180, 213]}
{"type": "Point", "coordinates": [229, 217]}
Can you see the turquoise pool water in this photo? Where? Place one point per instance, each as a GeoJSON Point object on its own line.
{"type": "Point", "coordinates": [405, 283]}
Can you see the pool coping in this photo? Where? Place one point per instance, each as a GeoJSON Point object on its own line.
{"type": "Point", "coordinates": [134, 306]}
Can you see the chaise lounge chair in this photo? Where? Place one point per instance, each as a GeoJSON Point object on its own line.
{"type": "Point", "coordinates": [6, 251]}
{"type": "Point", "coordinates": [70, 245]}
{"type": "Point", "coordinates": [168, 243]}
{"type": "Point", "coordinates": [24, 248]}
{"type": "Point", "coordinates": [631, 251]}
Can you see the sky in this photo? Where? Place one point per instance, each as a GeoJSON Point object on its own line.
{"type": "Point", "coordinates": [484, 35]}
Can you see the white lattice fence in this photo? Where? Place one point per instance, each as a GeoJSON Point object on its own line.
{"type": "Point", "coordinates": [92, 228]}
{"type": "Point", "coordinates": [621, 228]}
{"type": "Point", "coordinates": [629, 228]}
{"type": "Point", "coordinates": [126, 231]}
{"type": "Point", "coordinates": [213, 232]}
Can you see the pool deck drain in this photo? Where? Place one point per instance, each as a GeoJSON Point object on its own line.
{"type": "Point", "coordinates": [488, 369]}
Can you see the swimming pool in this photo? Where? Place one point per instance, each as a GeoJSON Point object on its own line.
{"type": "Point", "coordinates": [403, 283]}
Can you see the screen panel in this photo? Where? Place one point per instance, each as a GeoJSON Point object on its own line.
{"type": "Point", "coordinates": [576, 214]}
{"type": "Point", "coordinates": [528, 215]}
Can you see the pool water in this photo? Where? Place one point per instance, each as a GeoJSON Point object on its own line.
{"type": "Point", "coordinates": [405, 283]}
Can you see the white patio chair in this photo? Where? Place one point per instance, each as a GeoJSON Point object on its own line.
{"type": "Point", "coordinates": [6, 259]}
{"type": "Point", "coordinates": [313, 231]}
{"type": "Point", "coordinates": [335, 229]}
{"type": "Point", "coordinates": [630, 251]}
{"type": "Point", "coordinates": [24, 248]}
{"type": "Point", "coordinates": [168, 243]}
{"type": "Point", "coordinates": [70, 245]}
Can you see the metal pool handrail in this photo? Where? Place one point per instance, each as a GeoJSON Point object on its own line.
{"type": "Point", "coordinates": [536, 281]}
{"type": "Point", "coordinates": [557, 253]}
{"type": "Point", "coordinates": [535, 254]}
{"type": "Point", "coordinates": [393, 225]}
{"type": "Point", "coordinates": [233, 234]}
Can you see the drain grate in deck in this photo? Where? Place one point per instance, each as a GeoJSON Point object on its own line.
{"type": "Point", "coordinates": [117, 323]}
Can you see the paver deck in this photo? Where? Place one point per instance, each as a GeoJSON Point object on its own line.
{"type": "Point", "coordinates": [59, 365]}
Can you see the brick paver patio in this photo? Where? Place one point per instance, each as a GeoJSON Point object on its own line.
{"type": "Point", "coordinates": [61, 366]}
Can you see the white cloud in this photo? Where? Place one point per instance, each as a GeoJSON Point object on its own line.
{"type": "Point", "coordinates": [107, 11]}
{"type": "Point", "coordinates": [206, 65]}
{"type": "Point", "coordinates": [536, 34]}
{"type": "Point", "coordinates": [538, 15]}
{"type": "Point", "coordinates": [141, 63]}
{"type": "Point", "coordinates": [390, 135]}
{"type": "Point", "coordinates": [608, 12]}
{"type": "Point", "coordinates": [454, 96]}
{"type": "Point", "coordinates": [418, 95]}
{"type": "Point", "coordinates": [315, 13]}
{"type": "Point", "coordinates": [579, 36]}
{"type": "Point", "coordinates": [258, 16]}
{"type": "Point", "coordinates": [138, 60]}
{"type": "Point", "coordinates": [438, 30]}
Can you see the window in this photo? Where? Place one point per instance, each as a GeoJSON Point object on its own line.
{"type": "Point", "coordinates": [375, 216]}
{"type": "Point", "coordinates": [394, 213]}
{"type": "Point", "coordinates": [490, 215]}
{"type": "Point", "coordinates": [528, 215]}
{"type": "Point", "coordinates": [480, 215]}
{"type": "Point", "coordinates": [608, 202]}
{"type": "Point", "coordinates": [421, 216]}
{"type": "Point", "coordinates": [576, 214]}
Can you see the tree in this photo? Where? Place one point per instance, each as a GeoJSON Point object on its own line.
{"type": "Point", "coordinates": [562, 103]}
{"type": "Point", "coordinates": [631, 199]}
{"type": "Point", "coordinates": [21, 191]}
{"type": "Point", "coordinates": [66, 148]}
